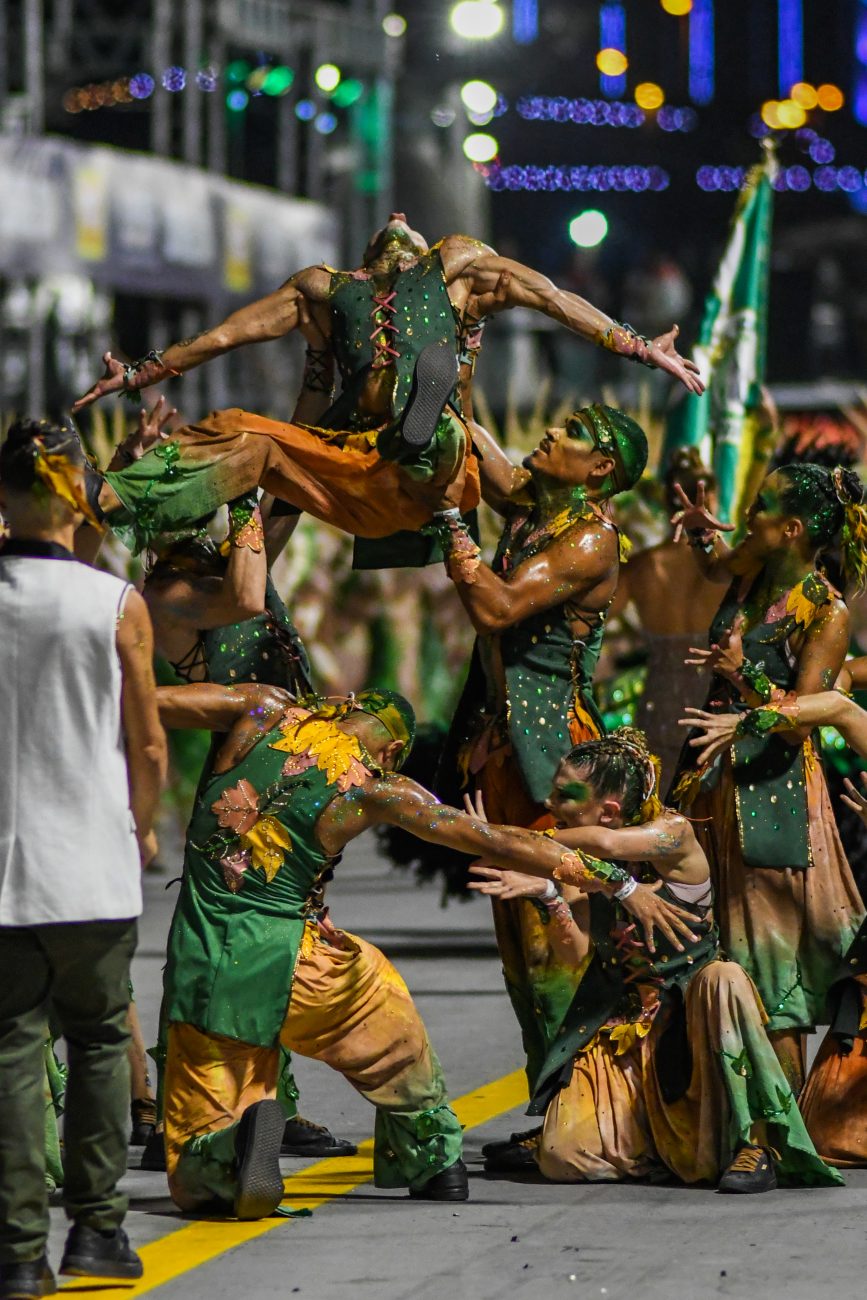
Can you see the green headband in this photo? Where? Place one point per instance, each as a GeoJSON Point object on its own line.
{"type": "Point", "coordinates": [616, 435]}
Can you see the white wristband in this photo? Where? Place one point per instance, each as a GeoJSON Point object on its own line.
{"type": "Point", "coordinates": [625, 890]}
{"type": "Point", "coordinates": [551, 892]}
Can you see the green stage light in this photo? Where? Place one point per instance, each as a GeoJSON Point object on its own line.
{"type": "Point", "coordinates": [348, 92]}
{"type": "Point", "coordinates": [238, 72]}
{"type": "Point", "coordinates": [278, 81]}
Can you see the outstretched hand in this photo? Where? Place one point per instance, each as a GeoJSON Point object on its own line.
{"type": "Point", "coordinates": [727, 657]}
{"type": "Point", "coordinates": [665, 356]}
{"type": "Point", "coordinates": [694, 516]}
{"type": "Point", "coordinates": [654, 913]}
{"type": "Point", "coordinates": [499, 883]}
{"type": "Point", "coordinates": [716, 732]}
{"type": "Point", "coordinates": [111, 382]}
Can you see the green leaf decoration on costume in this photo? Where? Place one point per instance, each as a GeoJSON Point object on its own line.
{"type": "Point", "coordinates": [740, 1064]}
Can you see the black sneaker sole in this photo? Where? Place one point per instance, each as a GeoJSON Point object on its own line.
{"type": "Point", "coordinates": [260, 1183]}
{"type": "Point", "coordinates": [83, 1266]}
{"type": "Point", "coordinates": [450, 1194]}
{"type": "Point", "coordinates": [504, 1144]}
{"type": "Point", "coordinates": [436, 373]}
{"type": "Point", "coordinates": [45, 1287]}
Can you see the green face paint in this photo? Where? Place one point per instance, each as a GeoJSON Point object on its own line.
{"type": "Point", "coordinates": [575, 791]}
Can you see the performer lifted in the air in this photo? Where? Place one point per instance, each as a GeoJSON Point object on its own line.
{"type": "Point", "coordinates": [393, 445]}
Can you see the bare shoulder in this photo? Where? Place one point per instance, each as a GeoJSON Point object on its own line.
{"type": "Point", "coordinates": [314, 282]}
{"type": "Point", "coordinates": [457, 252]}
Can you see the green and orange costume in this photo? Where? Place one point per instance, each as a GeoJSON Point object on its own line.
{"type": "Point", "coordinates": [353, 470]}
{"type": "Point", "coordinates": [787, 903]}
{"type": "Point", "coordinates": [249, 970]}
{"type": "Point", "coordinates": [662, 1064]}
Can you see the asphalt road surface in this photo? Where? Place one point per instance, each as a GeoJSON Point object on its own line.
{"type": "Point", "coordinates": [516, 1237]}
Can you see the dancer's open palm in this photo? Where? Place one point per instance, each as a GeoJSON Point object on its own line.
{"type": "Point", "coordinates": [665, 356]}
{"type": "Point", "coordinates": [111, 382]}
{"type": "Point", "coordinates": [694, 516]}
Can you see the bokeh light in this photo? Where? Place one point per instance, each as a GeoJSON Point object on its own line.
{"type": "Point", "coordinates": [207, 79]}
{"type": "Point", "coordinates": [237, 100]}
{"type": "Point", "coordinates": [790, 114]}
{"type": "Point", "coordinates": [278, 80]}
{"type": "Point", "coordinates": [481, 147]}
{"type": "Point", "coordinates": [394, 25]}
{"type": "Point", "coordinates": [325, 123]}
{"type": "Point", "coordinates": [479, 97]}
{"type": "Point", "coordinates": [305, 109]}
{"type": "Point", "coordinates": [830, 98]}
{"type": "Point", "coordinates": [327, 77]}
{"type": "Point", "coordinates": [611, 62]}
{"type": "Point", "coordinates": [589, 228]}
{"type": "Point", "coordinates": [648, 95]}
{"type": "Point", "coordinates": [141, 86]}
{"type": "Point", "coordinates": [677, 8]}
{"type": "Point", "coordinates": [348, 92]}
{"type": "Point", "coordinates": [804, 94]}
{"type": "Point", "coordinates": [174, 79]}
{"type": "Point", "coordinates": [477, 20]}
{"type": "Point", "coordinates": [442, 115]}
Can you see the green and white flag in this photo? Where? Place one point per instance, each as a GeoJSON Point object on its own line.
{"type": "Point", "coordinates": [731, 349]}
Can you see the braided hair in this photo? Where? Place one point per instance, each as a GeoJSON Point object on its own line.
{"type": "Point", "coordinates": [622, 766]}
{"type": "Point", "coordinates": [828, 502]}
{"type": "Point", "coordinates": [26, 442]}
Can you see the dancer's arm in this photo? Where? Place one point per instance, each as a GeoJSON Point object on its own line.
{"type": "Point", "coordinates": [826, 709]}
{"type": "Point", "coordinates": [209, 706]}
{"type": "Point", "coordinates": [571, 567]}
{"type": "Point", "coordinates": [521, 286]}
{"type": "Point", "coordinates": [499, 477]}
{"type": "Point", "coordinates": [144, 738]}
{"type": "Point", "coordinates": [270, 318]}
{"type": "Point", "coordinates": [568, 936]}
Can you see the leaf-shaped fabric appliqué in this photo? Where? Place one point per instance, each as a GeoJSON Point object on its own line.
{"type": "Point", "coordinates": [268, 842]}
{"type": "Point", "coordinates": [805, 600]}
{"type": "Point", "coordinates": [334, 752]}
{"type": "Point", "coordinates": [234, 866]}
{"type": "Point", "coordinates": [626, 1036]}
{"type": "Point", "coordinates": [237, 809]}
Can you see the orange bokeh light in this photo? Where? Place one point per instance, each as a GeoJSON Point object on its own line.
{"type": "Point", "coordinates": [612, 63]}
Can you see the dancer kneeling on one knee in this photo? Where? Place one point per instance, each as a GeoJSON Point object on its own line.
{"type": "Point", "coordinates": [662, 1065]}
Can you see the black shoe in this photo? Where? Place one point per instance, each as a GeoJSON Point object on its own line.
{"type": "Point", "coordinates": [91, 1253]}
{"type": "Point", "coordinates": [257, 1150]}
{"type": "Point", "coordinates": [153, 1157]}
{"type": "Point", "coordinates": [433, 382]}
{"type": "Point", "coordinates": [752, 1170]}
{"type": "Point", "coordinates": [301, 1137]}
{"type": "Point", "coordinates": [143, 1112]}
{"type": "Point", "coordinates": [27, 1280]}
{"type": "Point", "coordinates": [493, 1148]}
{"type": "Point", "coordinates": [450, 1185]}
{"type": "Point", "coordinates": [513, 1157]}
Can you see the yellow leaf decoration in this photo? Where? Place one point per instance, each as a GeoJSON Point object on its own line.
{"type": "Point", "coordinates": [805, 600]}
{"type": "Point", "coordinates": [626, 1036]}
{"type": "Point", "coordinates": [316, 740]}
{"type": "Point", "coordinates": [268, 843]}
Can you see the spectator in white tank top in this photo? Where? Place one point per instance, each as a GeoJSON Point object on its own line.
{"type": "Point", "coordinates": [82, 756]}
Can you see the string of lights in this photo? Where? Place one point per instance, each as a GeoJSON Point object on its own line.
{"type": "Point", "coordinates": [602, 112]}
{"type": "Point", "coordinates": [636, 179]}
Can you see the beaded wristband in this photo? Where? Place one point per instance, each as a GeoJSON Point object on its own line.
{"type": "Point", "coordinates": [626, 342]}
{"type": "Point", "coordinates": [459, 550]}
{"type": "Point", "coordinates": [757, 680]}
{"type": "Point", "coordinates": [624, 891]}
{"type": "Point", "coordinates": [134, 369]}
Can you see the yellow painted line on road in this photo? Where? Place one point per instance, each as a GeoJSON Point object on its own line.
{"type": "Point", "coordinates": [200, 1242]}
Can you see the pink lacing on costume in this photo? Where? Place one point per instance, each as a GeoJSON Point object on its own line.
{"type": "Point", "coordinates": [383, 308]}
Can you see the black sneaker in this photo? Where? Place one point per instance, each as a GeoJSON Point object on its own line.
{"type": "Point", "coordinates": [752, 1170]}
{"type": "Point", "coordinates": [27, 1280]}
{"type": "Point", "coordinates": [91, 1253]}
{"type": "Point", "coordinates": [433, 382]}
{"type": "Point", "coordinates": [450, 1185]}
{"type": "Point", "coordinates": [153, 1158]}
{"type": "Point", "coordinates": [257, 1150]}
{"type": "Point", "coordinates": [515, 1157]}
{"type": "Point", "coordinates": [500, 1144]}
{"type": "Point", "coordinates": [143, 1113]}
{"type": "Point", "coordinates": [301, 1137]}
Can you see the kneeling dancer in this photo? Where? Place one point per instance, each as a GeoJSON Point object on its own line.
{"type": "Point", "coordinates": [249, 970]}
{"type": "Point", "coordinates": [663, 1064]}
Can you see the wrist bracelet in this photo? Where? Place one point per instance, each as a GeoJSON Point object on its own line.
{"type": "Point", "coordinates": [460, 552]}
{"type": "Point", "coordinates": [551, 892]}
{"type": "Point", "coordinates": [625, 890]}
{"type": "Point", "coordinates": [627, 342]}
{"type": "Point", "coordinates": [757, 680]}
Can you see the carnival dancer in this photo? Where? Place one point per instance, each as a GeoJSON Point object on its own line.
{"type": "Point", "coordinates": [393, 445]}
{"type": "Point", "coordinates": [675, 604]}
{"type": "Point", "coordinates": [249, 968]}
{"type": "Point", "coordinates": [539, 612]}
{"type": "Point", "coordinates": [834, 1100]}
{"type": "Point", "coordinates": [787, 904]}
{"type": "Point", "coordinates": [663, 1065]}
